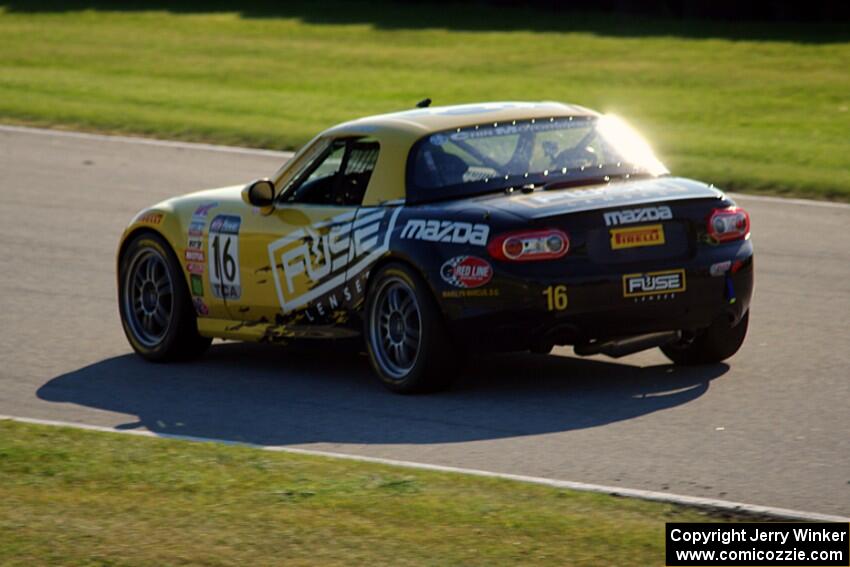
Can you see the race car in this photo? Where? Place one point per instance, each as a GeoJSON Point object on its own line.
{"type": "Point", "coordinates": [441, 231]}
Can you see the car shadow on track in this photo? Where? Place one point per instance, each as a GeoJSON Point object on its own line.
{"type": "Point", "coordinates": [272, 396]}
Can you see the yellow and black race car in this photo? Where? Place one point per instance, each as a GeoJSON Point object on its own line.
{"type": "Point", "coordinates": [439, 231]}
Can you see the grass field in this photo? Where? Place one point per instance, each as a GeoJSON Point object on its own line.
{"type": "Point", "coordinates": [749, 107]}
{"type": "Point", "coordinates": [75, 497]}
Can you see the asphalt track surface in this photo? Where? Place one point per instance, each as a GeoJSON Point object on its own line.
{"type": "Point", "coordinates": [771, 427]}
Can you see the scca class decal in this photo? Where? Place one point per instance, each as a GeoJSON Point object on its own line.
{"type": "Point", "coordinates": [318, 260]}
{"type": "Point", "coordinates": [446, 231]}
{"type": "Point", "coordinates": [466, 272]}
{"type": "Point", "coordinates": [224, 256]}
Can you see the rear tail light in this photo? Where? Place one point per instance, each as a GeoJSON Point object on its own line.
{"type": "Point", "coordinates": [528, 246]}
{"type": "Point", "coordinates": [728, 224]}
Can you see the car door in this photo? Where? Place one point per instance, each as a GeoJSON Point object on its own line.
{"type": "Point", "coordinates": [294, 268]}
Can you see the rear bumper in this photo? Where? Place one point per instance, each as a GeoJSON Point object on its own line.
{"type": "Point", "coordinates": [598, 307]}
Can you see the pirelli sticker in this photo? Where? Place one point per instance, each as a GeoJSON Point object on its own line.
{"type": "Point", "coordinates": [637, 236]}
{"type": "Point", "coordinates": [663, 283]}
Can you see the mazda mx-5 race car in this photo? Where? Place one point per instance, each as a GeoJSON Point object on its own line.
{"type": "Point", "coordinates": [439, 231]}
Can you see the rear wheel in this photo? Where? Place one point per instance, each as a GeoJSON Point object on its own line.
{"type": "Point", "coordinates": [542, 348]}
{"type": "Point", "coordinates": [714, 344]}
{"type": "Point", "coordinates": [406, 338]}
{"type": "Point", "coordinates": [156, 312]}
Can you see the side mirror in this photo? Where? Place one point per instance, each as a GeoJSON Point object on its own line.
{"type": "Point", "coordinates": [259, 193]}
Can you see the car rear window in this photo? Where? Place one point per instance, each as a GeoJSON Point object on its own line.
{"type": "Point", "coordinates": [490, 157]}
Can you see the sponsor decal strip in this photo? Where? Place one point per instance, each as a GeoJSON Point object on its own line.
{"type": "Point", "coordinates": [369, 218]}
{"type": "Point", "coordinates": [654, 283]}
{"type": "Point", "coordinates": [200, 307]}
{"type": "Point", "coordinates": [466, 272]}
{"type": "Point", "coordinates": [481, 292]}
{"type": "Point", "coordinates": [151, 218]}
{"type": "Point", "coordinates": [634, 237]}
{"type": "Point", "coordinates": [720, 268]}
{"type": "Point", "coordinates": [512, 129]}
{"type": "Point", "coordinates": [629, 216]}
{"type": "Point", "coordinates": [335, 242]}
{"type": "Point", "coordinates": [377, 253]}
{"type": "Point", "coordinates": [196, 228]}
{"type": "Point", "coordinates": [197, 283]}
{"type": "Point", "coordinates": [203, 210]}
{"type": "Point", "coordinates": [336, 250]}
{"type": "Point", "coordinates": [446, 231]}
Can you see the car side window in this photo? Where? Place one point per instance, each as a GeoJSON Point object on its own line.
{"type": "Point", "coordinates": [359, 165]}
{"type": "Point", "coordinates": [339, 175]}
{"type": "Point", "coordinates": [316, 184]}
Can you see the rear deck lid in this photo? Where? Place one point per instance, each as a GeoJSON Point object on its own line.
{"type": "Point", "coordinates": [543, 204]}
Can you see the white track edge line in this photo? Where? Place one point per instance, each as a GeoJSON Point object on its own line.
{"type": "Point", "coordinates": [695, 501]}
{"type": "Point", "coordinates": [287, 155]}
{"type": "Point", "coordinates": [145, 141]}
{"type": "Point", "coordinates": [789, 200]}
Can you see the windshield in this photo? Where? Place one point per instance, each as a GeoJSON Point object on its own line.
{"type": "Point", "coordinates": [575, 150]}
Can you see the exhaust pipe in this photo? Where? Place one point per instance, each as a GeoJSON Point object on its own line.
{"type": "Point", "coordinates": [621, 347]}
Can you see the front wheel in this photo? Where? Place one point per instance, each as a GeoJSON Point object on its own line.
{"type": "Point", "coordinates": [156, 311]}
{"type": "Point", "coordinates": [408, 346]}
{"type": "Point", "coordinates": [714, 344]}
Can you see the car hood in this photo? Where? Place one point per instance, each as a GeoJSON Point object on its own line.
{"type": "Point", "coordinates": [222, 194]}
{"type": "Point", "coordinates": [541, 204]}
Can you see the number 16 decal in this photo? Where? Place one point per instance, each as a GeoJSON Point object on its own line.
{"type": "Point", "coordinates": [556, 297]}
{"type": "Point", "coordinates": [224, 256]}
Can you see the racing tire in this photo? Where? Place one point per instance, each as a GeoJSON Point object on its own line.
{"type": "Point", "coordinates": [406, 338]}
{"type": "Point", "coordinates": [542, 348]}
{"type": "Point", "coordinates": [156, 310]}
{"type": "Point", "coordinates": [713, 344]}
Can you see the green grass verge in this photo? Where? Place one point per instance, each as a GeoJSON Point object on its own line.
{"type": "Point", "coordinates": [73, 497]}
{"type": "Point", "coordinates": [749, 107]}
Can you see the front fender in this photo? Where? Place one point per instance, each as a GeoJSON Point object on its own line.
{"type": "Point", "coordinates": [161, 219]}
